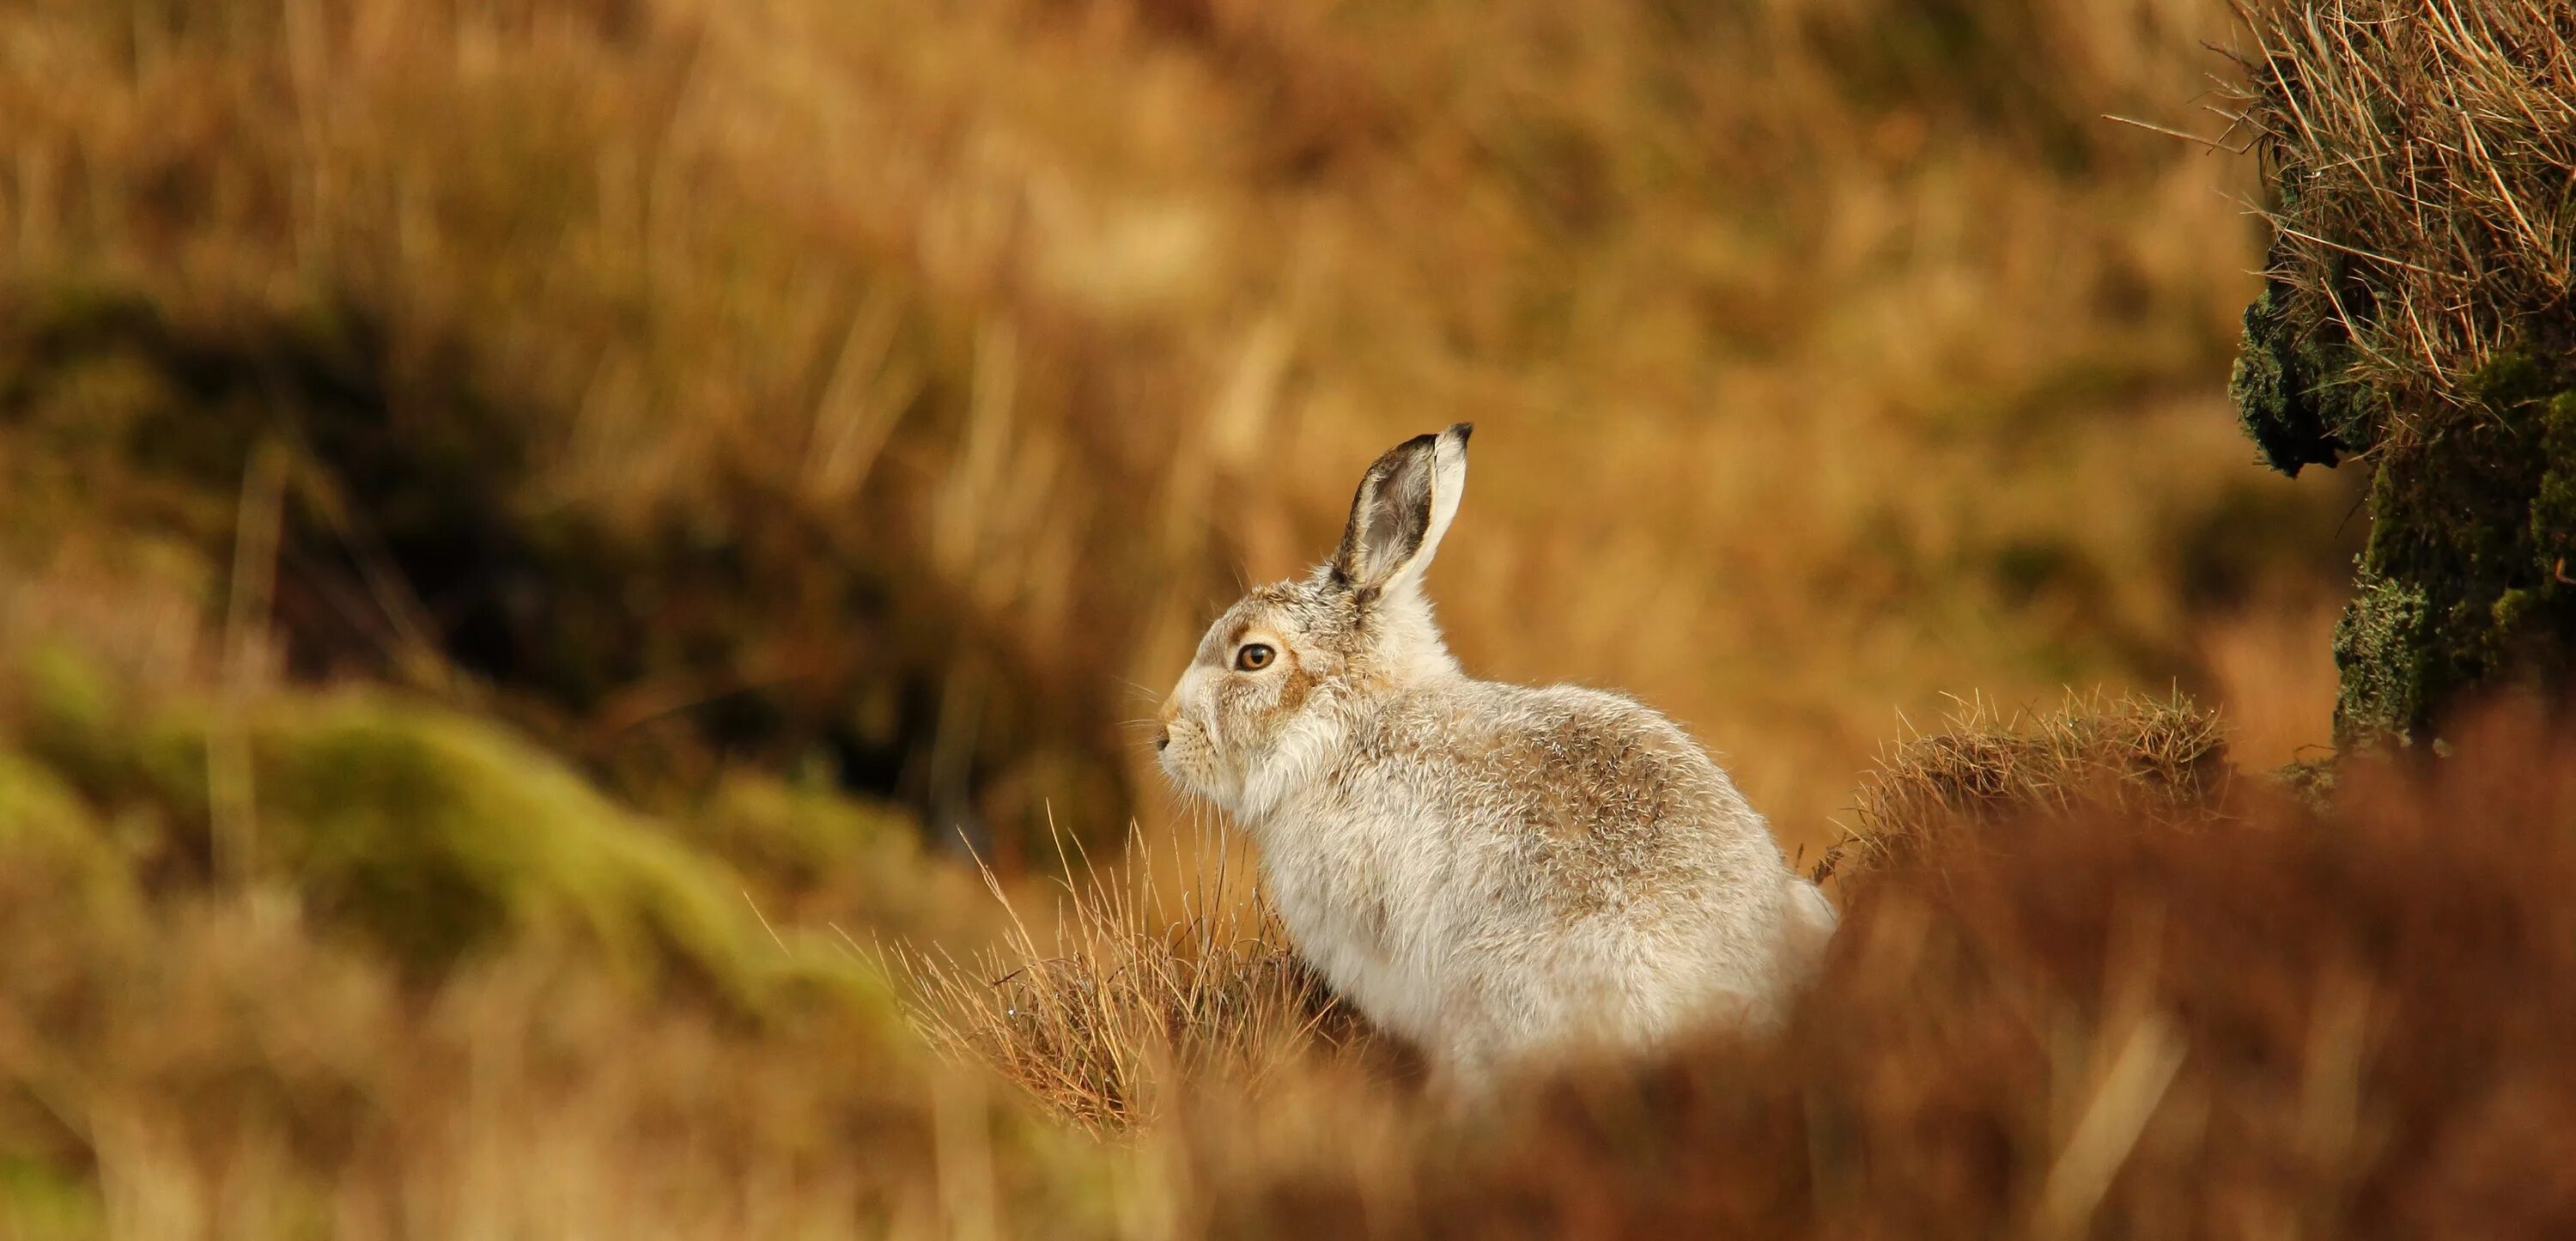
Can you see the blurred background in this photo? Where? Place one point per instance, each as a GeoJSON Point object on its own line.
{"type": "Point", "coordinates": [871, 403]}
{"type": "Point", "coordinates": [881, 397]}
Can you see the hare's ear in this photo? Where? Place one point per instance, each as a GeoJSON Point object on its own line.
{"type": "Point", "coordinates": [1403, 507]}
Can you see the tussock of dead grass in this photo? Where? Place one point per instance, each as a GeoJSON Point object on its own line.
{"type": "Point", "coordinates": [2158, 759]}
{"type": "Point", "coordinates": [1134, 990]}
{"type": "Point", "coordinates": [2424, 152]}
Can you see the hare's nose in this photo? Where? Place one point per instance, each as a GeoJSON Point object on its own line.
{"type": "Point", "coordinates": [1162, 738]}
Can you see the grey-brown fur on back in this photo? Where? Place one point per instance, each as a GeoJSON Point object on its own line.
{"type": "Point", "coordinates": [1495, 872]}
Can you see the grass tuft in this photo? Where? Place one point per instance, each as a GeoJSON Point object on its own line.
{"type": "Point", "coordinates": [2160, 760]}
{"type": "Point", "coordinates": [1134, 990]}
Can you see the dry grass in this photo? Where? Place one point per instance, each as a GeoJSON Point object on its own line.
{"type": "Point", "coordinates": [2126, 757]}
{"type": "Point", "coordinates": [2273, 666]}
{"type": "Point", "coordinates": [2424, 152]}
{"type": "Point", "coordinates": [223, 1067]}
{"type": "Point", "coordinates": [1134, 995]}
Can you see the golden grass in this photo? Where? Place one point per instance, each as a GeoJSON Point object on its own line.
{"type": "Point", "coordinates": [224, 1066]}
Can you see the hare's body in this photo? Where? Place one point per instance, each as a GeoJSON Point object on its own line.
{"type": "Point", "coordinates": [1491, 871]}
{"type": "Point", "coordinates": [1495, 871]}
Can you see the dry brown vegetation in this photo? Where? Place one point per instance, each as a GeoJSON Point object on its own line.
{"type": "Point", "coordinates": [2348, 1025]}
{"type": "Point", "coordinates": [2426, 152]}
{"type": "Point", "coordinates": [1127, 994]}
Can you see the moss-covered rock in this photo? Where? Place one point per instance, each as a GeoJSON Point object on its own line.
{"type": "Point", "coordinates": [2553, 502]}
{"type": "Point", "coordinates": [2462, 586]}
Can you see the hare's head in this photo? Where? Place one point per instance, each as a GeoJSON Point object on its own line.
{"type": "Point", "coordinates": [1263, 698]}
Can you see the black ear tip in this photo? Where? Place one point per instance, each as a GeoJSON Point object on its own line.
{"type": "Point", "coordinates": [1463, 430]}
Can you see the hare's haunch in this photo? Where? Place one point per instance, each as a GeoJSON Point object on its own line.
{"type": "Point", "coordinates": [1492, 871]}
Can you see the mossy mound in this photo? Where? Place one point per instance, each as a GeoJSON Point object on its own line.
{"type": "Point", "coordinates": [433, 835]}
{"type": "Point", "coordinates": [2417, 318]}
{"type": "Point", "coordinates": [427, 836]}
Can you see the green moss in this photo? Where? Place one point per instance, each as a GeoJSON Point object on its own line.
{"type": "Point", "coordinates": [435, 836]}
{"type": "Point", "coordinates": [2463, 583]}
{"type": "Point", "coordinates": [66, 692]}
{"type": "Point", "coordinates": [2509, 380]}
{"type": "Point", "coordinates": [420, 831]}
{"type": "Point", "coordinates": [432, 837]}
{"type": "Point", "coordinates": [2512, 608]}
{"type": "Point", "coordinates": [37, 808]}
{"type": "Point", "coordinates": [794, 834]}
{"type": "Point", "coordinates": [44, 822]}
{"type": "Point", "coordinates": [2311, 780]}
{"type": "Point", "coordinates": [39, 1200]}
{"type": "Point", "coordinates": [2378, 650]}
{"type": "Point", "coordinates": [2553, 506]}
{"type": "Point", "coordinates": [2289, 388]}
{"type": "Point", "coordinates": [95, 737]}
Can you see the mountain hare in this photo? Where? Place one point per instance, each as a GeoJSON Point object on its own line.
{"type": "Point", "coordinates": [1491, 871]}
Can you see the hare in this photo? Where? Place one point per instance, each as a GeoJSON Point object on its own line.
{"type": "Point", "coordinates": [1492, 872]}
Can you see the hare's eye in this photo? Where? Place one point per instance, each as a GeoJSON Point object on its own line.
{"type": "Point", "coordinates": [1253, 657]}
